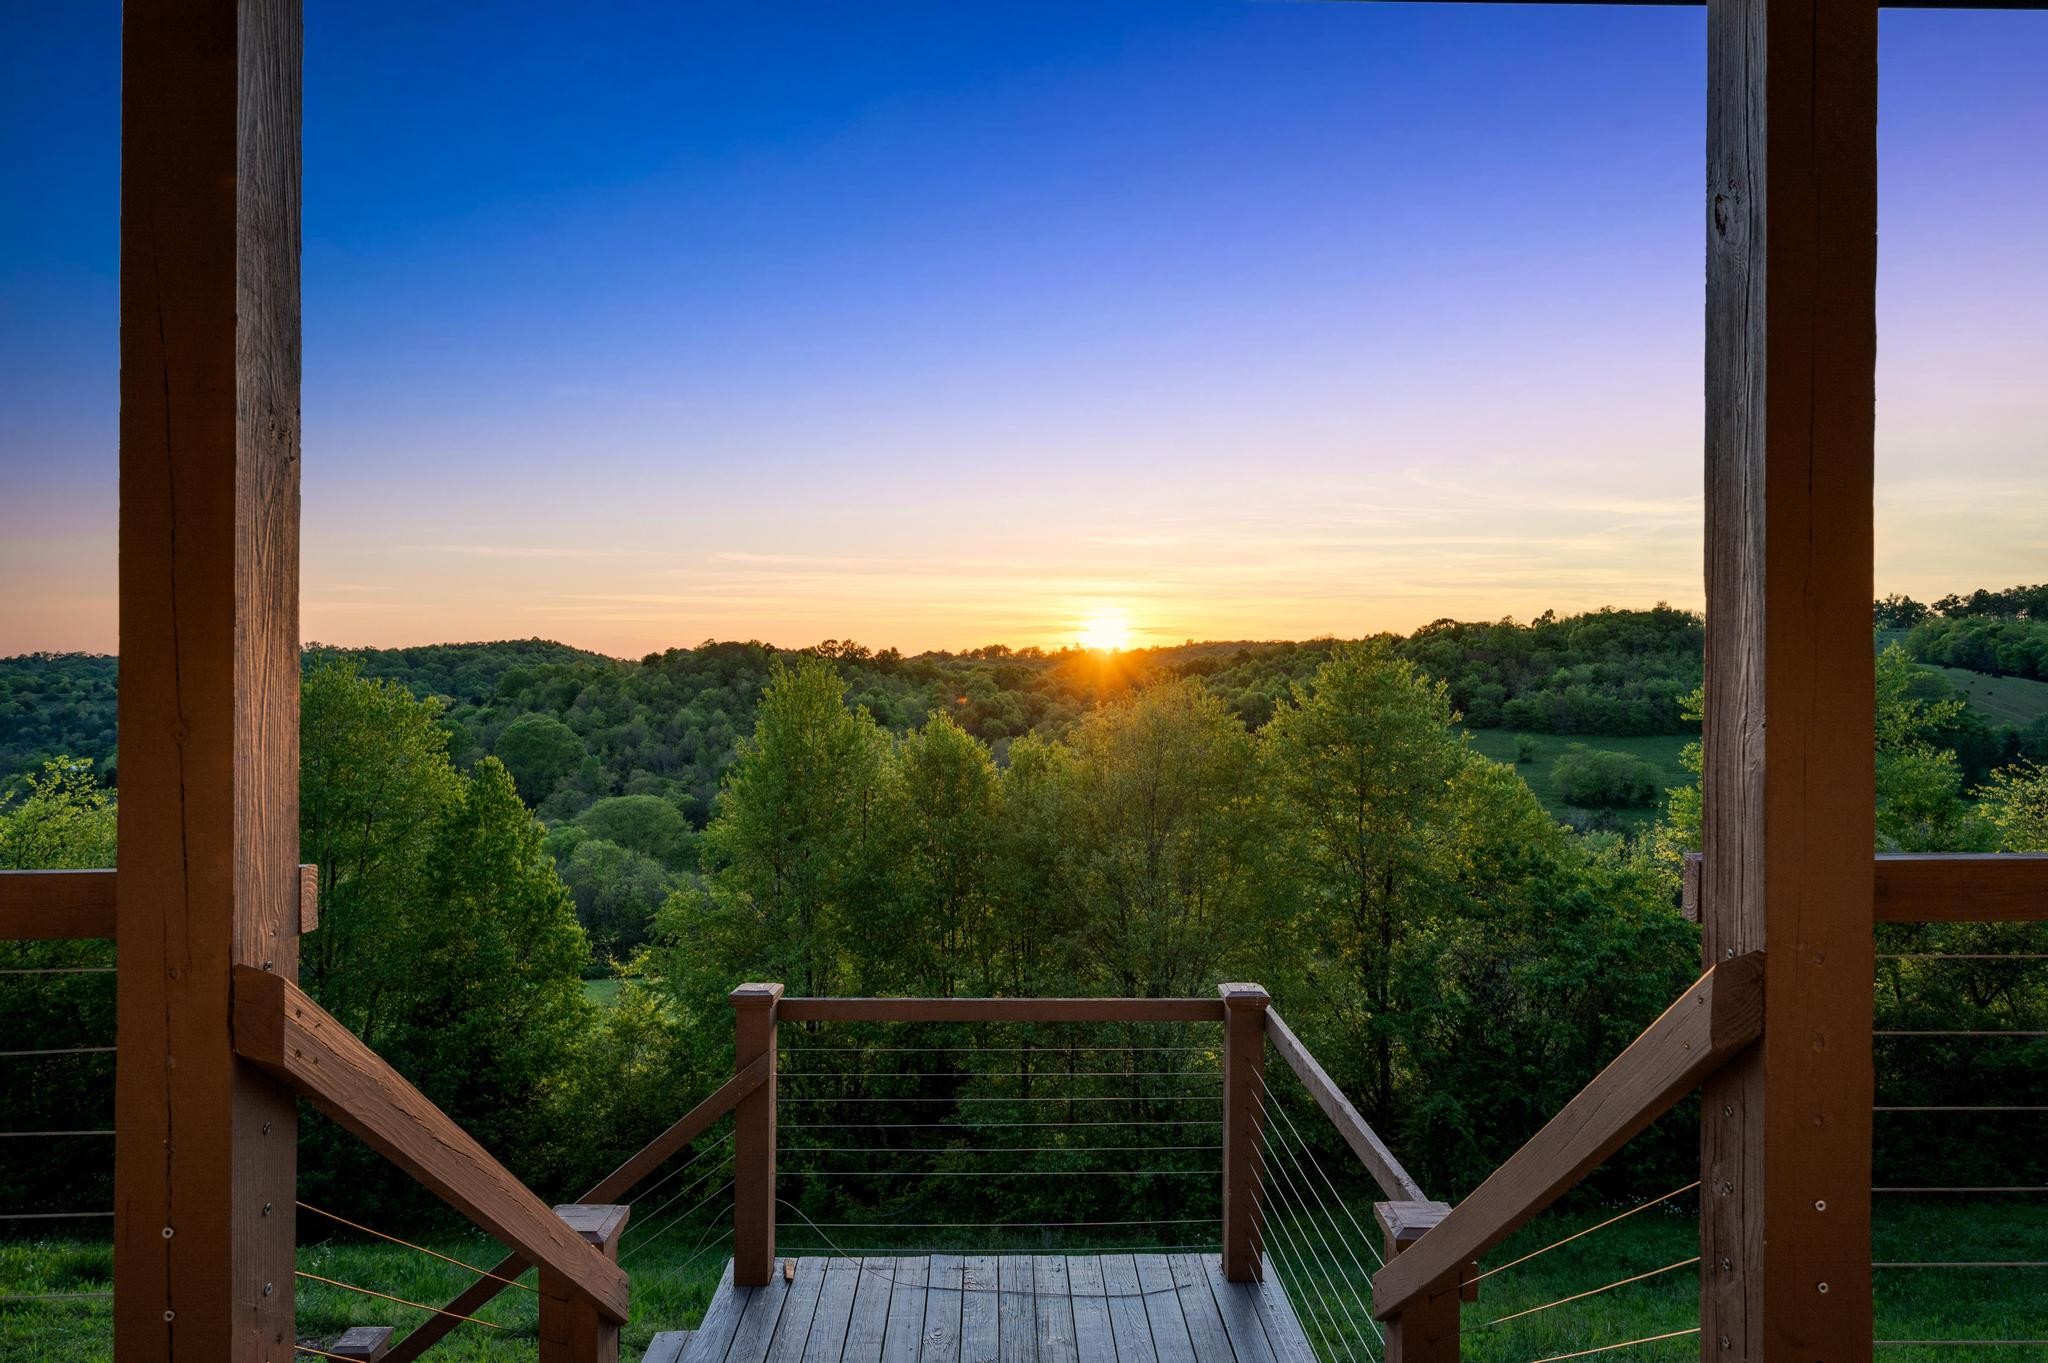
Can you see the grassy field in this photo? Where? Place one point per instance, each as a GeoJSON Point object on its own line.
{"type": "Point", "coordinates": [1911, 1304]}
{"type": "Point", "coordinates": [670, 1291]}
{"type": "Point", "coordinates": [2001, 700]}
{"type": "Point", "coordinates": [604, 993]}
{"type": "Point", "coordinates": [1660, 750]}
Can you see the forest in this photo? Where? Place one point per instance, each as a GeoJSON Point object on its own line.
{"type": "Point", "coordinates": [496, 826]}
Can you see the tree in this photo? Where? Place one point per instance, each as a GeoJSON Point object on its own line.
{"type": "Point", "coordinates": [647, 824]}
{"type": "Point", "coordinates": [2016, 804]}
{"type": "Point", "coordinates": [1593, 778]}
{"type": "Point", "coordinates": [539, 750]}
{"type": "Point", "coordinates": [57, 819]}
{"type": "Point", "coordinates": [617, 892]}
{"type": "Point", "coordinates": [1169, 843]}
{"type": "Point", "coordinates": [940, 810]}
{"type": "Point", "coordinates": [786, 860]}
{"type": "Point", "coordinates": [375, 784]}
{"type": "Point", "coordinates": [1360, 763]}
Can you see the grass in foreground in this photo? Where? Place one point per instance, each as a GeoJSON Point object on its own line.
{"type": "Point", "coordinates": [670, 1291]}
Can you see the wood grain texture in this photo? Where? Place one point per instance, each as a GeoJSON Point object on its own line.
{"type": "Point", "coordinates": [1937, 887]}
{"type": "Point", "coordinates": [754, 1008]}
{"type": "Point", "coordinates": [613, 1187]}
{"type": "Point", "coordinates": [1237, 1305]}
{"type": "Point", "coordinates": [713, 1335]}
{"type": "Point", "coordinates": [1427, 1329]}
{"type": "Point", "coordinates": [362, 1343]}
{"type": "Point", "coordinates": [1094, 1336]}
{"type": "Point", "coordinates": [758, 1321]}
{"type": "Point", "coordinates": [793, 1327]}
{"type": "Point", "coordinates": [980, 1338]}
{"type": "Point", "coordinates": [571, 1330]}
{"type": "Point", "coordinates": [1713, 1020]}
{"type": "Point", "coordinates": [1283, 1326]}
{"type": "Point", "coordinates": [869, 1320]}
{"type": "Point", "coordinates": [1198, 1308]}
{"type": "Point", "coordinates": [278, 1028]}
{"type": "Point", "coordinates": [1000, 1010]}
{"type": "Point", "coordinates": [1053, 1307]}
{"type": "Point", "coordinates": [943, 1310]}
{"type": "Point", "coordinates": [1365, 1143]}
{"type": "Point", "coordinates": [1170, 1335]}
{"type": "Point", "coordinates": [1244, 1136]}
{"type": "Point", "coordinates": [1788, 782]}
{"type": "Point", "coordinates": [209, 689]}
{"type": "Point", "coordinates": [835, 1312]}
{"type": "Point", "coordinates": [309, 898]}
{"type": "Point", "coordinates": [50, 906]}
{"type": "Point", "coordinates": [1016, 1309]}
{"type": "Point", "coordinates": [1959, 887]}
{"type": "Point", "coordinates": [1130, 1326]}
{"type": "Point", "coordinates": [903, 1334]}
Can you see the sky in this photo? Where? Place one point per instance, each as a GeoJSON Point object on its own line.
{"type": "Point", "coordinates": [1026, 321]}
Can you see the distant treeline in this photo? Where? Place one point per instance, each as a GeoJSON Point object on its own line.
{"type": "Point", "coordinates": [575, 726]}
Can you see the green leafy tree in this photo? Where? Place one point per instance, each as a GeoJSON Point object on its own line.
{"type": "Point", "coordinates": [2016, 804]}
{"type": "Point", "coordinates": [940, 810]}
{"type": "Point", "coordinates": [1361, 764]}
{"type": "Point", "coordinates": [540, 751]}
{"type": "Point", "coordinates": [375, 784]}
{"type": "Point", "coordinates": [647, 824]}
{"type": "Point", "coordinates": [787, 861]}
{"type": "Point", "coordinates": [58, 818]}
{"type": "Point", "coordinates": [1169, 843]}
{"type": "Point", "coordinates": [617, 892]}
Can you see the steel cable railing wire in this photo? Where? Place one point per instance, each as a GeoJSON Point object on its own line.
{"type": "Point", "coordinates": [1350, 1299]}
{"type": "Point", "coordinates": [1273, 1142]}
{"type": "Point", "coordinates": [650, 1235]}
{"type": "Point", "coordinates": [977, 1129]}
{"type": "Point", "coordinates": [1300, 1140]}
{"type": "Point", "coordinates": [1292, 1257]}
{"type": "Point", "coordinates": [1561, 1241]}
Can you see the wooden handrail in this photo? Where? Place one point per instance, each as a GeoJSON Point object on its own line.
{"type": "Point", "coordinates": [48, 906]}
{"type": "Point", "coordinates": [613, 1187]}
{"type": "Point", "coordinates": [1993, 887]}
{"type": "Point", "coordinates": [1934, 887]}
{"type": "Point", "coordinates": [280, 1029]}
{"type": "Point", "coordinates": [1365, 1143]}
{"type": "Point", "coordinates": [51, 906]}
{"type": "Point", "coordinates": [999, 1010]}
{"type": "Point", "coordinates": [1714, 1019]}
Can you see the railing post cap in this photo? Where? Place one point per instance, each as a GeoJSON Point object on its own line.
{"type": "Point", "coordinates": [596, 1223]}
{"type": "Point", "coordinates": [1406, 1222]}
{"type": "Point", "coordinates": [1237, 994]}
{"type": "Point", "coordinates": [756, 995]}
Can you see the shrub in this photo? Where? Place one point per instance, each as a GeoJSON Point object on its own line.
{"type": "Point", "coordinates": [1593, 778]}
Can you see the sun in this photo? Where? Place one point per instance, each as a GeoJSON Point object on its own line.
{"type": "Point", "coordinates": [1106, 631]}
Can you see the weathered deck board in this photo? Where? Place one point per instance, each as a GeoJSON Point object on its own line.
{"type": "Point", "coordinates": [1047, 1308]}
{"type": "Point", "coordinates": [1015, 1320]}
{"type": "Point", "coordinates": [943, 1311]}
{"type": "Point", "coordinates": [979, 1337]}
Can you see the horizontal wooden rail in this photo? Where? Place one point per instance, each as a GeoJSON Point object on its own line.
{"type": "Point", "coordinates": [613, 1187]}
{"type": "Point", "coordinates": [999, 1010]}
{"type": "Point", "coordinates": [1719, 1015]}
{"type": "Point", "coordinates": [1372, 1152]}
{"type": "Point", "coordinates": [51, 906]}
{"type": "Point", "coordinates": [279, 1028]}
{"type": "Point", "coordinates": [48, 906]}
{"type": "Point", "coordinates": [1997, 887]}
{"type": "Point", "coordinates": [1935, 887]}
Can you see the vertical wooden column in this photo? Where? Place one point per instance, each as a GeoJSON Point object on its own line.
{"type": "Point", "coordinates": [571, 1328]}
{"type": "Point", "coordinates": [209, 707]}
{"type": "Point", "coordinates": [1791, 354]}
{"type": "Point", "coordinates": [753, 1138]}
{"type": "Point", "coordinates": [1427, 1331]}
{"type": "Point", "coordinates": [1244, 1137]}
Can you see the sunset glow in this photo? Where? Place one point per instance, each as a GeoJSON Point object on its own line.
{"type": "Point", "coordinates": [1175, 319]}
{"type": "Point", "coordinates": [1106, 631]}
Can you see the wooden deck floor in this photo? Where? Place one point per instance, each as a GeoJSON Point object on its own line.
{"type": "Point", "coordinates": [1110, 1308]}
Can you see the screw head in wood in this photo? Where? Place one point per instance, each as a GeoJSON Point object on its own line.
{"type": "Point", "coordinates": [1820, 1204]}
{"type": "Point", "coordinates": [1821, 1288]}
{"type": "Point", "coordinates": [167, 1232]}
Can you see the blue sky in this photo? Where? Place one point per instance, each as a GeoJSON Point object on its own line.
{"type": "Point", "coordinates": [935, 324]}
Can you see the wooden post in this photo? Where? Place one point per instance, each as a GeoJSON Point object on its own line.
{"type": "Point", "coordinates": [753, 1138]}
{"type": "Point", "coordinates": [572, 1330]}
{"type": "Point", "coordinates": [1244, 1139]}
{"type": "Point", "coordinates": [1788, 783]}
{"type": "Point", "coordinates": [1427, 1330]}
{"type": "Point", "coordinates": [204, 1159]}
